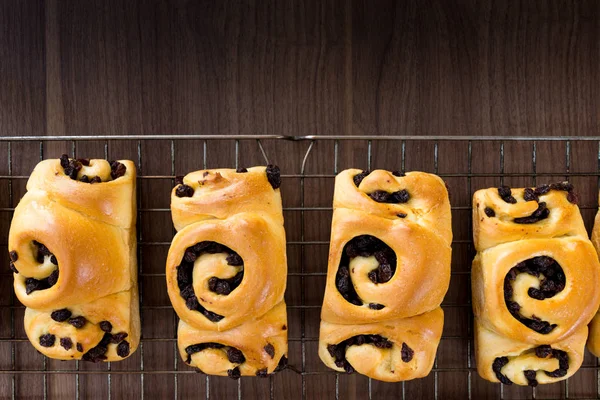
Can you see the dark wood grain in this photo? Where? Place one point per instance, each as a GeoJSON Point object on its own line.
{"type": "Point", "coordinates": [333, 67]}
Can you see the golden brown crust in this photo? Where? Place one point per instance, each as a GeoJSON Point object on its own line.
{"type": "Point", "coordinates": [419, 284]}
{"type": "Point", "coordinates": [410, 225]}
{"type": "Point", "coordinates": [522, 356]}
{"type": "Point", "coordinates": [593, 342]}
{"type": "Point", "coordinates": [90, 230]}
{"type": "Point", "coordinates": [429, 204]}
{"type": "Point", "coordinates": [564, 218]}
{"type": "Point", "coordinates": [221, 193]}
{"type": "Point", "coordinates": [570, 309]}
{"type": "Point", "coordinates": [420, 333]}
{"type": "Point", "coordinates": [260, 243]}
{"type": "Point", "coordinates": [242, 211]}
{"type": "Point", "coordinates": [252, 338]}
{"type": "Point", "coordinates": [534, 284]}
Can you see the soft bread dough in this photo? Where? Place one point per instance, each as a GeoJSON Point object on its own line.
{"type": "Point", "coordinates": [90, 230]}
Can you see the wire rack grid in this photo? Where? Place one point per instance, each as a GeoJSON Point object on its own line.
{"type": "Point", "coordinates": [305, 147]}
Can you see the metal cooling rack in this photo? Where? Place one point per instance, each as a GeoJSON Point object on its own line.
{"type": "Point", "coordinates": [311, 141]}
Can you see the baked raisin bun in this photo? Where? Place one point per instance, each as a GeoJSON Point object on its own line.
{"type": "Point", "coordinates": [593, 343]}
{"type": "Point", "coordinates": [389, 260]}
{"type": "Point", "coordinates": [72, 247]}
{"type": "Point", "coordinates": [534, 283]}
{"type": "Point", "coordinates": [226, 271]}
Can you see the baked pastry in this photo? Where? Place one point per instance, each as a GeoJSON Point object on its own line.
{"type": "Point", "coordinates": [72, 248]}
{"type": "Point", "coordinates": [226, 271]}
{"type": "Point", "coordinates": [388, 272]}
{"type": "Point", "coordinates": [593, 343]}
{"type": "Point", "coordinates": [392, 350]}
{"type": "Point", "coordinates": [534, 283]}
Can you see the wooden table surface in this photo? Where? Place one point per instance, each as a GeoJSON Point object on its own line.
{"type": "Point", "coordinates": [508, 68]}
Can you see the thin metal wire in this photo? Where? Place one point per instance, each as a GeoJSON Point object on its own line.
{"type": "Point", "coordinates": [141, 263]}
{"type": "Point", "coordinates": [299, 138]}
{"type": "Point", "coordinates": [469, 249]}
{"type": "Point", "coordinates": [12, 295]}
{"type": "Point", "coordinates": [175, 352]}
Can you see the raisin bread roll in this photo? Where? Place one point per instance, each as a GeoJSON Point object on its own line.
{"type": "Point", "coordinates": [593, 343]}
{"type": "Point", "coordinates": [389, 259]}
{"type": "Point", "coordinates": [393, 350]}
{"type": "Point", "coordinates": [534, 282]}
{"type": "Point", "coordinates": [73, 253]}
{"type": "Point", "coordinates": [226, 271]}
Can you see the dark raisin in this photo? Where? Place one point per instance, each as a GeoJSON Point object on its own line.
{"type": "Point", "coordinates": [118, 337]}
{"type": "Point", "coordinates": [284, 328]}
{"type": "Point", "coordinates": [380, 196]}
{"type": "Point", "coordinates": [530, 375]}
{"type": "Point", "coordinates": [71, 172]}
{"type": "Point", "coordinates": [241, 170]}
{"type": "Point", "coordinates": [348, 368]}
{"type": "Point", "coordinates": [105, 326]}
{"type": "Point", "coordinates": [541, 190]}
{"type": "Point", "coordinates": [542, 212]}
{"type": "Point", "coordinates": [79, 347]}
{"type": "Point", "coordinates": [262, 373]}
{"type": "Point", "coordinates": [14, 256]}
{"type": "Point", "coordinates": [47, 340]}
{"type": "Point", "coordinates": [64, 161]}
{"type": "Point", "coordinates": [178, 180]}
{"type": "Point", "coordinates": [270, 350]}
{"type": "Point", "coordinates": [572, 197]}
{"type": "Point", "coordinates": [31, 285]}
{"type": "Point", "coordinates": [401, 196]}
{"type": "Point", "coordinates": [373, 276]}
{"type": "Point", "coordinates": [53, 260]}
{"type": "Point", "coordinates": [513, 306]}
{"type": "Point", "coordinates": [234, 260]}
{"type": "Point", "coordinates": [13, 268]}
{"type": "Point", "coordinates": [192, 302]}
{"type": "Point", "coordinates": [358, 178]}
{"type": "Point", "coordinates": [506, 194]}
{"type": "Point", "coordinates": [61, 315]}
{"type": "Point", "coordinates": [189, 256]}
{"type": "Point", "coordinates": [273, 176]}
{"type": "Point", "coordinates": [536, 294]}
{"type": "Point", "coordinates": [222, 287]}
{"type": "Point", "coordinates": [375, 306]}
{"type": "Point", "coordinates": [566, 186]}
{"type": "Point", "coordinates": [78, 322]}
{"type": "Point", "coordinates": [529, 195]}
{"type": "Point", "coordinates": [235, 356]}
{"type": "Point", "coordinates": [401, 215]}
{"type": "Point", "coordinates": [123, 349]}
{"type": "Point", "coordinates": [385, 273]}
{"type": "Point", "coordinates": [41, 248]}
{"type": "Point", "coordinates": [407, 353]}
{"type": "Point", "coordinates": [84, 179]}
{"type": "Point", "coordinates": [117, 169]}
{"type": "Point", "coordinates": [398, 173]}
{"type": "Point", "coordinates": [66, 343]}
{"type": "Point", "coordinates": [283, 362]}
{"type": "Point", "coordinates": [84, 161]}
{"type": "Point", "coordinates": [497, 366]}
{"type": "Point", "coordinates": [489, 212]}
{"type": "Point", "coordinates": [53, 278]}
{"type": "Point", "coordinates": [543, 351]}
{"type": "Point", "coordinates": [95, 179]}
{"type": "Point", "coordinates": [96, 354]}
{"type": "Point", "coordinates": [234, 373]}
{"type": "Point", "coordinates": [184, 191]}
